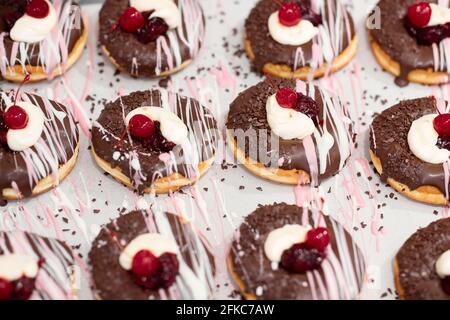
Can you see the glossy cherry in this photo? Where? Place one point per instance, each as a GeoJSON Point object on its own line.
{"type": "Point", "coordinates": [289, 14]}
{"type": "Point", "coordinates": [6, 289]}
{"type": "Point", "coordinates": [16, 118]}
{"type": "Point", "coordinates": [38, 9]}
{"type": "Point", "coordinates": [318, 238]}
{"type": "Point", "coordinates": [145, 264]}
{"type": "Point", "coordinates": [131, 20]}
{"type": "Point", "coordinates": [301, 258]}
{"type": "Point", "coordinates": [141, 126]}
{"type": "Point", "coordinates": [419, 14]}
{"type": "Point", "coordinates": [152, 30]}
{"type": "Point", "coordinates": [154, 273]}
{"type": "Point", "coordinates": [442, 124]}
{"type": "Point", "coordinates": [287, 98]}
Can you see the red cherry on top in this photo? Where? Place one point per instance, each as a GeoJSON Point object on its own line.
{"type": "Point", "coordinates": [287, 98]}
{"type": "Point", "coordinates": [318, 238]}
{"type": "Point", "coordinates": [6, 289]}
{"type": "Point", "coordinates": [419, 14]}
{"type": "Point", "coordinates": [289, 14]}
{"type": "Point", "coordinates": [131, 20]}
{"type": "Point", "coordinates": [442, 124]}
{"type": "Point", "coordinates": [145, 264]}
{"type": "Point", "coordinates": [141, 126]}
{"type": "Point", "coordinates": [38, 9]}
{"type": "Point", "coordinates": [16, 118]}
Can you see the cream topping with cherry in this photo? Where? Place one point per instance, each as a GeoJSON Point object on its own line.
{"type": "Point", "coordinates": [141, 123]}
{"type": "Point", "coordinates": [424, 14]}
{"type": "Point", "coordinates": [297, 248]}
{"type": "Point", "coordinates": [15, 266]}
{"type": "Point", "coordinates": [36, 24]}
{"type": "Point", "coordinates": [423, 139]}
{"type": "Point", "coordinates": [18, 274]}
{"type": "Point", "coordinates": [287, 27]}
{"type": "Point", "coordinates": [164, 9]}
{"type": "Point", "coordinates": [24, 124]}
{"type": "Point", "coordinates": [156, 243]}
{"type": "Point", "coordinates": [282, 239]}
{"type": "Point", "coordinates": [149, 19]}
{"type": "Point", "coordinates": [429, 23]}
{"type": "Point", "coordinates": [290, 114]}
{"type": "Point", "coordinates": [152, 259]}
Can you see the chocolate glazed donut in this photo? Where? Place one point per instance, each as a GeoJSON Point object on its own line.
{"type": "Point", "coordinates": [110, 127]}
{"type": "Point", "coordinates": [112, 282]}
{"type": "Point", "coordinates": [394, 160]}
{"type": "Point", "coordinates": [168, 54]}
{"type": "Point", "coordinates": [414, 266]}
{"type": "Point", "coordinates": [287, 160]}
{"type": "Point", "coordinates": [55, 279]}
{"type": "Point", "coordinates": [40, 62]}
{"type": "Point", "coordinates": [285, 61]}
{"type": "Point", "coordinates": [33, 171]}
{"type": "Point", "coordinates": [399, 52]}
{"type": "Point", "coordinates": [254, 274]}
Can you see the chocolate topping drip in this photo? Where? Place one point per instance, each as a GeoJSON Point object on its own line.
{"type": "Point", "coordinates": [267, 50]}
{"type": "Point", "coordinates": [11, 10]}
{"type": "Point", "coordinates": [248, 111]}
{"type": "Point", "coordinates": [389, 142]}
{"type": "Point", "coordinates": [394, 38]}
{"type": "Point", "coordinates": [13, 165]}
{"type": "Point", "coordinates": [110, 126]}
{"type": "Point", "coordinates": [112, 282]}
{"type": "Point", "coordinates": [416, 262]}
{"type": "Point", "coordinates": [254, 269]}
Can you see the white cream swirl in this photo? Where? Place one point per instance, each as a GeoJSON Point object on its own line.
{"type": "Point", "coordinates": [15, 266]}
{"type": "Point", "coordinates": [21, 139]}
{"type": "Point", "coordinates": [422, 140]}
{"type": "Point", "coordinates": [439, 15]}
{"type": "Point", "coordinates": [156, 243]}
{"type": "Point", "coordinates": [443, 265]}
{"type": "Point", "coordinates": [172, 127]}
{"type": "Point", "coordinates": [296, 35]}
{"type": "Point", "coordinates": [288, 123]}
{"type": "Point", "coordinates": [164, 9]}
{"type": "Point", "coordinates": [30, 30]}
{"type": "Point", "coordinates": [282, 239]}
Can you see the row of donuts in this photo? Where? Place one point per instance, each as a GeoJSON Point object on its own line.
{"type": "Point", "coordinates": [146, 140]}
{"type": "Point", "coordinates": [303, 39]}
{"type": "Point", "coordinates": [16, 124]}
